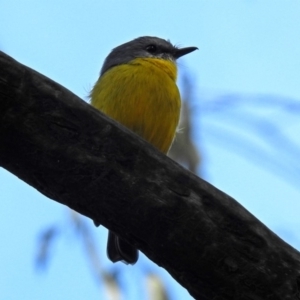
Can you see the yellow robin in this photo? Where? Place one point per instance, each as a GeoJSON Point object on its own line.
{"type": "Point", "coordinates": [137, 87]}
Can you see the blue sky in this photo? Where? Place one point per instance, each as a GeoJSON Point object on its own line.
{"type": "Point", "coordinates": [245, 48]}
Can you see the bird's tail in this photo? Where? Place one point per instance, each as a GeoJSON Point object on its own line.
{"type": "Point", "coordinates": [120, 250]}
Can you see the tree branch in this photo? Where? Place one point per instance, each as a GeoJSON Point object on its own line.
{"type": "Point", "coordinates": [75, 155]}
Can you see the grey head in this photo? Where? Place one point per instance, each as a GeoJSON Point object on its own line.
{"type": "Point", "coordinates": [145, 46]}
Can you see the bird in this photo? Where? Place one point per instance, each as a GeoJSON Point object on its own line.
{"type": "Point", "coordinates": [137, 88]}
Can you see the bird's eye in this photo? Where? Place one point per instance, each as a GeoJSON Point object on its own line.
{"type": "Point", "coordinates": [151, 48]}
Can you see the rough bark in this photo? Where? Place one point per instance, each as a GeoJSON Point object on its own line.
{"type": "Point", "coordinates": [75, 155]}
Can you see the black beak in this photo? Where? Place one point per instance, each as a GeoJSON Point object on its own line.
{"type": "Point", "coordinates": [184, 51]}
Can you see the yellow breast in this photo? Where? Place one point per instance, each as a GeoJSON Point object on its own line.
{"type": "Point", "coordinates": [143, 96]}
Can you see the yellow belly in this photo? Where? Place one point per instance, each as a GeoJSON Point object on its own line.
{"type": "Point", "coordinates": [143, 96]}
